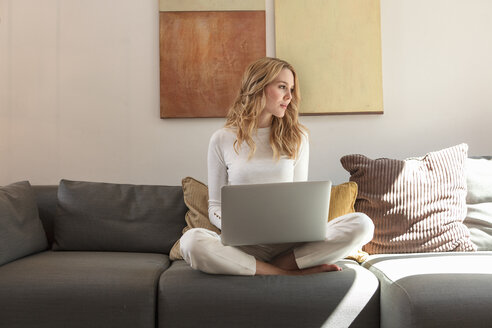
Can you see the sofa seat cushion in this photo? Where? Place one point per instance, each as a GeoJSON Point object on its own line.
{"type": "Point", "coordinates": [81, 289]}
{"type": "Point", "coordinates": [339, 299]}
{"type": "Point", "coordinates": [434, 290]}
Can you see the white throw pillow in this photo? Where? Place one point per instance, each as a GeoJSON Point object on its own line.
{"type": "Point", "coordinates": [479, 201]}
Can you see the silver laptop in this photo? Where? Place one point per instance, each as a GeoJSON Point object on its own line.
{"type": "Point", "coordinates": [275, 212]}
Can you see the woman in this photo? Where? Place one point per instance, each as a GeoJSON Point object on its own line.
{"type": "Point", "coordinates": [263, 142]}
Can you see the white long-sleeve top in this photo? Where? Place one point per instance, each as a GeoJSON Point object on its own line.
{"type": "Point", "coordinates": [226, 167]}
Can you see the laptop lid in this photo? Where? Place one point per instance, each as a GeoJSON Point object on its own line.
{"type": "Point", "coordinates": [275, 212]}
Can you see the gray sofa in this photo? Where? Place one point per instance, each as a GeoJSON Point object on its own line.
{"type": "Point", "coordinates": [86, 277]}
{"type": "Point", "coordinates": [105, 263]}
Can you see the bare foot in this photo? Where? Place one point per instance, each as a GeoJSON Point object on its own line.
{"type": "Point", "coordinates": [263, 268]}
{"type": "Point", "coordinates": [287, 261]}
{"type": "Point", "coordinates": [332, 267]}
{"type": "Point", "coordinates": [315, 269]}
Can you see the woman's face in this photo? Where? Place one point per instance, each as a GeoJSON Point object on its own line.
{"type": "Point", "coordinates": [278, 96]}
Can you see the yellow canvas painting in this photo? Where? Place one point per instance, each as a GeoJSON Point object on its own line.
{"type": "Point", "coordinates": [335, 46]}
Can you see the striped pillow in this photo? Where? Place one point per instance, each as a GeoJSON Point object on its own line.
{"type": "Point", "coordinates": [417, 204]}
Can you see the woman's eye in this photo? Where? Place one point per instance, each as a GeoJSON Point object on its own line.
{"type": "Point", "coordinates": [285, 87]}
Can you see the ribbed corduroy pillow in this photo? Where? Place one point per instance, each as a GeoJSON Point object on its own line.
{"type": "Point", "coordinates": [417, 204]}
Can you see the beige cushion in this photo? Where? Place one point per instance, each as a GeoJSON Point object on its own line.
{"type": "Point", "coordinates": [417, 204]}
{"type": "Point", "coordinates": [196, 198]}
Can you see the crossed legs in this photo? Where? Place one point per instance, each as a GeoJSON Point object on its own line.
{"type": "Point", "coordinates": [204, 251]}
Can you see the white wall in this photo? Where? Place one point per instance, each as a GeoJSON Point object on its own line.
{"type": "Point", "coordinates": [79, 92]}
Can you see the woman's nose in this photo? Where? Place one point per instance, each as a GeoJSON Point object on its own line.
{"type": "Point", "coordinates": [288, 95]}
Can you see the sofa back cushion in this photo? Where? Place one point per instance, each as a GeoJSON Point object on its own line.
{"type": "Point", "coordinates": [21, 230]}
{"type": "Point", "coordinates": [417, 204]}
{"type": "Point", "coordinates": [95, 216]}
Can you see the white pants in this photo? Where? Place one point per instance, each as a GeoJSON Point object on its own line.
{"type": "Point", "coordinates": [203, 250]}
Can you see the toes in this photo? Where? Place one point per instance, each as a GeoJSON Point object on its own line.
{"type": "Point", "coordinates": [331, 267]}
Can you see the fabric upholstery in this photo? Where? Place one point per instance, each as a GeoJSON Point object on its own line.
{"type": "Point", "coordinates": [434, 290]}
{"type": "Point", "coordinates": [118, 217]}
{"type": "Point", "coordinates": [81, 289]}
{"type": "Point", "coordinates": [21, 230]}
{"type": "Point", "coordinates": [46, 198]}
{"type": "Point", "coordinates": [417, 204]}
{"type": "Point", "coordinates": [334, 299]}
{"type": "Point", "coordinates": [342, 202]}
{"type": "Point", "coordinates": [479, 201]}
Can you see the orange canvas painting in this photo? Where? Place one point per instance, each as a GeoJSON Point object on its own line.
{"type": "Point", "coordinates": [203, 55]}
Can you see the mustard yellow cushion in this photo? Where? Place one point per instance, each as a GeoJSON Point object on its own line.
{"type": "Point", "coordinates": [342, 202]}
{"type": "Point", "coordinates": [342, 199]}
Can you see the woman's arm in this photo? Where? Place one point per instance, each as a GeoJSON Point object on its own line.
{"type": "Point", "coordinates": [217, 177]}
{"type": "Point", "coordinates": [301, 165]}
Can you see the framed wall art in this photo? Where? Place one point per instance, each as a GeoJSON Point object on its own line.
{"type": "Point", "coordinates": [205, 47]}
{"type": "Point", "coordinates": [335, 45]}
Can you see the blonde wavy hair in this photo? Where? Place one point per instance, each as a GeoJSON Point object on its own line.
{"type": "Point", "coordinates": [286, 132]}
